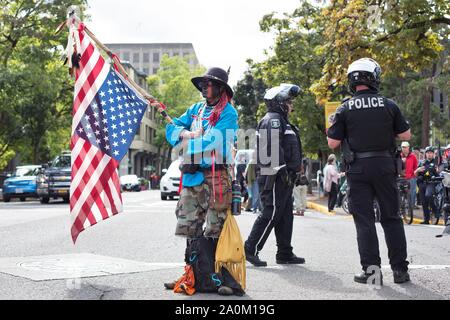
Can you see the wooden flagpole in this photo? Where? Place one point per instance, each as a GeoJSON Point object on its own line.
{"type": "Point", "coordinates": [120, 68]}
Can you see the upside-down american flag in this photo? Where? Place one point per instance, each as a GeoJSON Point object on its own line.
{"type": "Point", "coordinates": [107, 113]}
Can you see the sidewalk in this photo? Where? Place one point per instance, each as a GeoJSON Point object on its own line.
{"type": "Point", "coordinates": [321, 205]}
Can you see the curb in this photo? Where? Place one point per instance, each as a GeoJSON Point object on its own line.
{"type": "Point", "coordinates": [324, 210]}
{"type": "Point", "coordinates": [320, 208]}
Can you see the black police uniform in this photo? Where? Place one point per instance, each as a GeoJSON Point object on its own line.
{"type": "Point", "coordinates": [426, 188]}
{"type": "Point", "coordinates": [276, 190]}
{"type": "Point", "coordinates": [369, 123]}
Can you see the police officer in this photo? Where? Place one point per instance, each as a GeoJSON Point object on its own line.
{"type": "Point", "coordinates": [426, 171]}
{"type": "Point", "coordinates": [367, 125]}
{"type": "Point", "coordinates": [277, 173]}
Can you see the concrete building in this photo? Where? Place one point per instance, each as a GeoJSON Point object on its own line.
{"type": "Point", "coordinates": [143, 156]}
{"type": "Point", "coordinates": [146, 57]}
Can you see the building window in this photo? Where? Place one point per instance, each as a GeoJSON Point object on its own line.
{"type": "Point", "coordinates": [136, 57]}
{"type": "Point", "coordinates": [176, 54]}
{"type": "Point", "coordinates": [156, 57]}
{"type": "Point", "coordinates": [146, 57]}
{"type": "Point", "coordinates": [126, 56]}
{"type": "Point", "coordinates": [145, 70]}
{"type": "Point", "coordinates": [155, 70]}
{"type": "Point", "coordinates": [185, 54]}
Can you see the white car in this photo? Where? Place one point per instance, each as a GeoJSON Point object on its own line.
{"type": "Point", "coordinates": [130, 183]}
{"type": "Point", "coordinates": [170, 182]}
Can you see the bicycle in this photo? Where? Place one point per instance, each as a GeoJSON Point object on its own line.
{"type": "Point", "coordinates": [446, 200]}
{"type": "Point", "coordinates": [438, 199]}
{"type": "Point", "coordinates": [376, 208]}
{"type": "Point", "coordinates": [406, 209]}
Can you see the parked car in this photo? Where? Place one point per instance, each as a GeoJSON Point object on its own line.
{"type": "Point", "coordinates": [130, 183]}
{"type": "Point", "coordinates": [170, 182]}
{"type": "Point", "coordinates": [54, 181]}
{"type": "Point", "coordinates": [22, 184]}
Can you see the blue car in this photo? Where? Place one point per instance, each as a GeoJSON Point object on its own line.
{"type": "Point", "coordinates": [22, 184]}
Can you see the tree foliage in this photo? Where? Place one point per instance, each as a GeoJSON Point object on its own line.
{"type": "Point", "coordinates": [402, 35]}
{"type": "Point", "coordinates": [35, 88]}
{"type": "Point", "coordinates": [315, 44]}
{"type": "Point", "coordinates": [249, 95]}
{"type": "Point", "coordinates": [172, 85]}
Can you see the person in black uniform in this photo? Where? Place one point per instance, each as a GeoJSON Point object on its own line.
{"type": "Point", "coordinates": [367, 126]}
{"type": "Point", "coordinates": [427, 170]}
{"type": "Point", "coordinates": [277, 174]}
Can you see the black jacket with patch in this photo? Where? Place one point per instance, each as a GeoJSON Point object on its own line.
{"type": "Point", "coordinates": [276, 134]}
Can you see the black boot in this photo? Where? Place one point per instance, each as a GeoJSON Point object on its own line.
{"type": "Point", "coordinates": [170, 285]}
{"type": "Point", "coordinates": [225, 291]}
{"type": "Point", "coordinates": [293, 259]}
{"type": "Point", "coordinates": [401, 276]}
{"type": "Point", "coordinates": [363, 278]}
{"type": "Point", "coordinates": [254, 259]}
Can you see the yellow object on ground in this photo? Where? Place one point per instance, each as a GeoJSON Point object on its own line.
{"type": "Point", "coordinates": [230, 251]}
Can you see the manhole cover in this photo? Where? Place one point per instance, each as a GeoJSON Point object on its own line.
{"type": "Point", "coordinates": [72, 266]}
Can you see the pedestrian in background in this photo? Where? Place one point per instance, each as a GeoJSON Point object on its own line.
{"type": "Point", "coordinates": [300, 192]}
{"type": "Point", "coordinates": [411, 165]}
{"type": "Point", "coordinates": [427, 170]}
{"type": "Point", "coordinates": [252, 185]}
{"type": "Point", "coordinates": [241, 165]}
{"type": "Point", "coordinates": [331, 181]}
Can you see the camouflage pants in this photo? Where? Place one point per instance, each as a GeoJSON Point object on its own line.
{"type": "Point", "coordinates": [193, 210]}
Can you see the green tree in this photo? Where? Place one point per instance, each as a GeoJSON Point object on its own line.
{"type": "Point", "coordinates": [404, 36]}
{"type": "Point", "coordinates": [172, 85]}
{"type": "Point", "coordinates": [249, 95]}
{"type": "Point", "coordinates": [35, 88]}
{"type": "Point", "coordinates": [294, 60]}
{"type": "Point", "coordinates": [315, 44]}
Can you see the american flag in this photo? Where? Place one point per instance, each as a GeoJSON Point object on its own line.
{"type": "Point", "coordinates": [107, 113]}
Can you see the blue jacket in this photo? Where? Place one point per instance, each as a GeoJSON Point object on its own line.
{"type": "Point", "coordinates": [220, 138]}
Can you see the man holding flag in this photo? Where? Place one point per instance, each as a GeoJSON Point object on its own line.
{"type": "Point", "coordinates": [207, 132]}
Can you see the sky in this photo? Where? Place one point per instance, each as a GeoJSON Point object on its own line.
{"type": "Point", "coordinates": [224, 33]}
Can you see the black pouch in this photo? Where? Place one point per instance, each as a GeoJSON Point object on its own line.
{"type": "Point", "coordinates": [302, 181]}
{"type": "Point", "coordinates": [347, 154]}
{"type": "Point", "coordinates": [189, 168]}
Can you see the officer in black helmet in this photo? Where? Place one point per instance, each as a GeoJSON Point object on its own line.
{"type": "Point", "coordinates": [427, 170]}
{"type": "Point", "coordinates": [367, 126]}
{"type": "Point", "coordinates": [279, 161]}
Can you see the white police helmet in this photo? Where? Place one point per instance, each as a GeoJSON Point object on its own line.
{"type": "Point", "coordinates": [279, 96]}
{"type": "Point", "coordinates": [364, 71]}
{"type": "Point", "coordinates": [283, 92]}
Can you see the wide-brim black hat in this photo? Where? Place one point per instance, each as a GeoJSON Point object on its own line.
{"type": "Point", "coordinates": [217, 75]}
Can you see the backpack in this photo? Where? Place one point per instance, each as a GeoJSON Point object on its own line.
{"type": "Point", "coordinates": [200, 255]}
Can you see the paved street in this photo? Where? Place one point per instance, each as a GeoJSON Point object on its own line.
{"type": "Point", "coordinates": [149, 254]}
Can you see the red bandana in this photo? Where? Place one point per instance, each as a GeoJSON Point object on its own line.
{"type": "Point", "coordinates": [220, 106]}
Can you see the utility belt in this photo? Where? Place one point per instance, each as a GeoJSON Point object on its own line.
{"type": "Point", "coordinates": [193, 168]}
{"type": "Point", "coordinates": [288, 178]}
{"type": "Point", "coordinates": [398, 163]}
{"type": "Point", "coordinates": [373, 154]}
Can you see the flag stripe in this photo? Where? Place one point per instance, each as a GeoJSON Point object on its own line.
{"type": "Point", "coordinates": [89, 90]}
